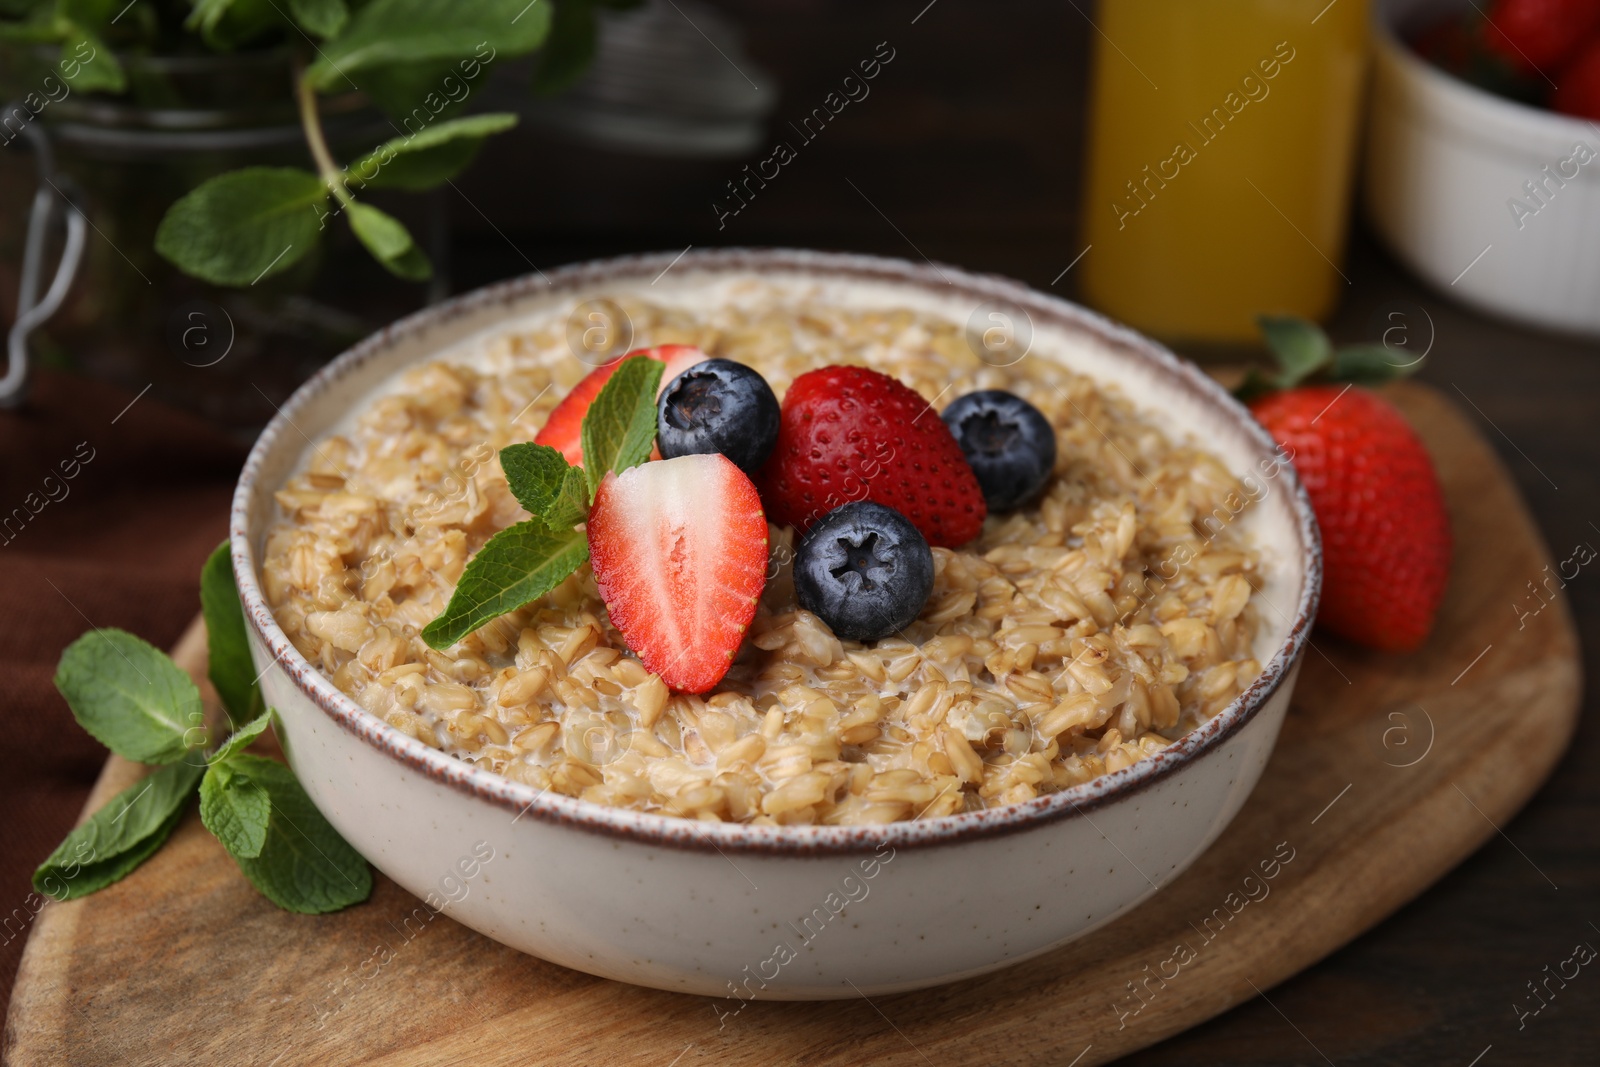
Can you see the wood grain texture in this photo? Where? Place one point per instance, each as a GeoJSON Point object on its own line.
{"type": "Point", "coordinates": [1390, 770]}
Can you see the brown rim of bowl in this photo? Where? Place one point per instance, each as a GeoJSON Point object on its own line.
{"type": "Point", "coordinates": [676, 832]}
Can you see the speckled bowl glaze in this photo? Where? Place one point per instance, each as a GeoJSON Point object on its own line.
{"type": "Point", "coordinates": [811, 912]}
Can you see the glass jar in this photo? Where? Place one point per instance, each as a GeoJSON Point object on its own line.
{"type": "Point", "coordinates": [1221, 144]}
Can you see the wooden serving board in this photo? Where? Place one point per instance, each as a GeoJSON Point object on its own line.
{"type": "Point", "coordinates": [1389, 772]}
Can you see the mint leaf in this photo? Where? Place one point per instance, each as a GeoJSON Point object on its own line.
{"type": "Point", "coordinates": [574, 33]}
{"type": "Point", "coordinates": [1372, 364]}
{"type": "Point", "coordinates": [303, 865]}
{"type": "Point", "coordinates": [236, 809]}
{"type": "Point", "coordinates": [240, 227]}
{"type": "Point", "coordinates": [389, 242]}
{"type": "Point", "coordinates": [230, 668]}
{"type": "Point", "coordinates": [545, 484]}
{"type": "Point", "coordinates": [430, 156]}
{"type": "Point", "coordinates": [120, 836]}
{"type": "Point", "coordinates": [98, 67]}
{"type": "Point", "coordinates": [321, 17]}
{"type": "Point", "coordinates": [387, 32]}
{"type": "Point", "coordinates": [1300, 347]}
{"type": "Point", "coordinates": [517, 565]}
{"type": "Point", "coordinates": [130, 696]}
{"type": "Point", "coordinates": [227, 24]}
{"type": "Point", "coordinates": [241, 738]}
{"type": "Point", "coordinates": [619, 428]}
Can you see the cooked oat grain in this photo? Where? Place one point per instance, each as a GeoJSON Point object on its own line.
{"type": "Point", "coordinates": [1050, 652]}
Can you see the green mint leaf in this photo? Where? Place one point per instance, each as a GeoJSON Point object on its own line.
{"type": "Point", "coordinates": [325, 18]}
{"type": "Point", "coordinates": [1373, 364]}
{"type": "Point", "coordinates": [230, 668]}
{"type": "Point", "coordinates": [429, 157]}
{"type": "Point", "coordinates": [241, 738]}
{"type": "Point", "coordinates": [236, 809]}
{"type": "Point", "coordinates": [228, 24]}
{"type": "Point", "coordinates": [389, 242]}
{"type": "Point", "coordinates": [303, 865]}
{"type": "Point", "coordinates": [130, 696]}
{"type": "Point", "coordinates": [120, 836]}
{"type": "Point", "coordinates": [98, 66]}
{"type": "Point", "coordinates": [545, 484]}
{"type": "Point", "coordinates": [574, 32]}
{"type": "Point", "coordinates": [1300, 347]}
{"type": "Point", "coordinates": [240, 227]}
{"type": "Point", "coordinates": [619, 429]}
{"type": "Point", "coordinates": [518, 564]}
{"type": "Point", "coordinates": [387, 32]}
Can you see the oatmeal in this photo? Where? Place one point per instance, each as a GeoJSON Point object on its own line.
{"type": "Point", "coordinates": [1073, 637]}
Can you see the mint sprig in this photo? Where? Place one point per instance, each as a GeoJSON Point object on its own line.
{"type": "Point", "coordinates": [1303, 352]}
{"type": "Point", "coordinates": [230, 669]}
{"type": "Point", "coordinates": [130, 696]}
{"type": "Point", "coordinates": [144, 707]}
{"type": "Point", "coordinates": [523, 562]}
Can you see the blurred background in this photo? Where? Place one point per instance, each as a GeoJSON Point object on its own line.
{"type": "Point", "coordinates": [1369, 179]}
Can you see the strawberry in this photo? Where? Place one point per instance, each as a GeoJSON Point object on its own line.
{"type": "Point", "coordinates": [1578, 86]}
{"type": "Point", "coordinates": [1385, 532]}
{"type": "Point", "coordinates": [849, 433]}
{"type": "Point", "coordinates": [563, 429]}
{"type": "Point", "coordinates": [679, 549]}
{"type": "Point", "coordinates": [1540, 35]}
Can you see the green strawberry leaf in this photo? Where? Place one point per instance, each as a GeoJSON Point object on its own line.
{"type": "Point", "coordinates": [230, 669]}
{"type": "Point", "coordinates": [120, 836]}
{"type": "Point", "coordinates": [236, 809]}
{"type": "Point", "coordinates": [518, 564]}
{"type": "Point", "coordinates": [574, 33]}
{"type": "Point", "coordinates": [429, 157]}
{"type": "Point", "coordinates": [130, 696]}
{"type": "Point", "coordinates": [1372, 364]}
{"type": "Point", "coordinates": [1299, 346]}
{"type": "Point", "coordinates": [388, 32]}
{"type": "Point", "coordinates": [545, 484]}
{"type": "Point", "coordinates": [389, 242]}
{"type": "Point", "coordinates": [619, 429]}
{"type": "Point", "coordinates": [243, 226]}
{"type": "Point", "coordinates": [302, 865]}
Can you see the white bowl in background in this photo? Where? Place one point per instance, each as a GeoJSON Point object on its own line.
{"type": "Point", "coordinates": [1445, 164]}
{"type": "Point", "coordinates": [703, 907]}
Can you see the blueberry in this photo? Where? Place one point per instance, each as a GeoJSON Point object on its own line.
{"type": "Point", "coordinates": [864, 570]}
{"type": "Point", "coordinates": [718, 405]}
{"type": "Point", "coordinates": [1009, 443]}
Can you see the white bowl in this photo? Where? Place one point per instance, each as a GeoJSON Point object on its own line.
{"type": "Point", "coordinates": [711, 908]}
{"type": "Point", "coordinates": [1446, 164]}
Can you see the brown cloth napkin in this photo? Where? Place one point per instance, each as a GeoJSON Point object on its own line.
{"type": "Point", "coordinates": [107, 512]}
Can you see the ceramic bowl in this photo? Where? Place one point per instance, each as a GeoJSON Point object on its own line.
{"type": "Point", "coordinates": [1491, 201]}
{"type": "Point", "coordinates": [781, 912]}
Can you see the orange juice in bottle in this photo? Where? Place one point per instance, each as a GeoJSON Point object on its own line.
{"type": "Point", "coordinates": [1221, 145]}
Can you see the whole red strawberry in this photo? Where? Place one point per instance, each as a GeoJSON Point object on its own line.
{"type": "Point", "coordinates": [1540, 35]}
{"type": "Point", "coordinates": [1578, 85]}
{"type": "Point", "coordinates": [1385, 532]}
{"type": "Point", "coordinates": [849, 433]}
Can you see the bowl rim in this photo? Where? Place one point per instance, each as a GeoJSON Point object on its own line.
{"type": "Point", "coordinates": [670, 831]}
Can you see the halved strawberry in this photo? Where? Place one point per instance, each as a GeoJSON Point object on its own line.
{"type": "Point", "coordinates": [563, 430]}
{"type": "Point", "coordinates": [679, 549]}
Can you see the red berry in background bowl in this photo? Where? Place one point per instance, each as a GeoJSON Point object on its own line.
{"type": "Point", "coordinates": [849, 433]}
{"type": "Point", "coordinates": [1539, 36]}
{"type": "Point", "coordinates": [1578, 85]}
{"type": "Point", "coordinates": [1386, 542]}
